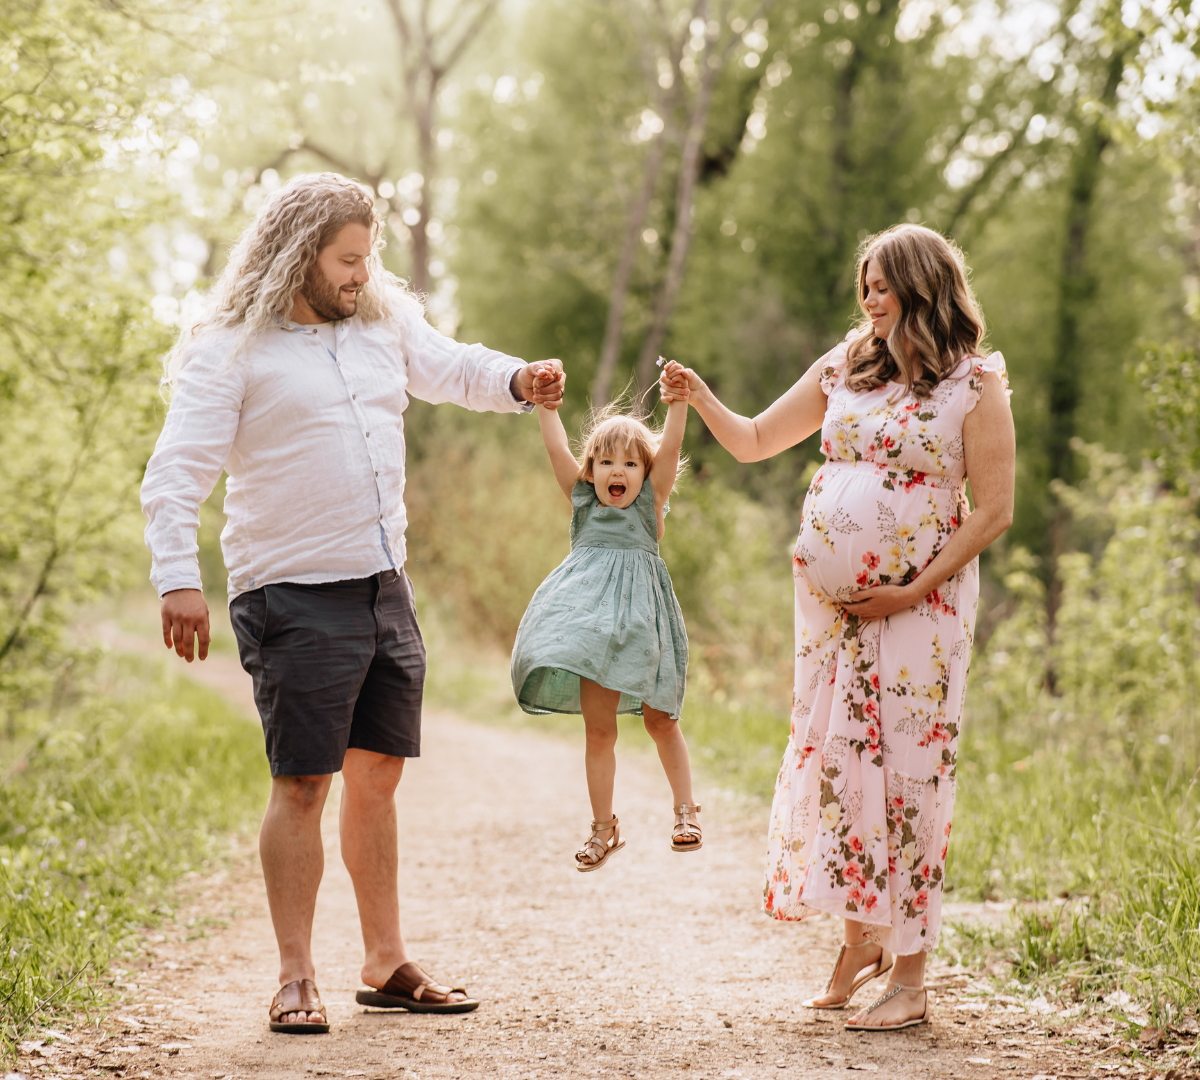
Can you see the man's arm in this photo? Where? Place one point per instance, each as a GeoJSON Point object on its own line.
{"type": "Point", "coordinates": [191, 452]}
{"type": "Point", "coordinates": [473, 376]}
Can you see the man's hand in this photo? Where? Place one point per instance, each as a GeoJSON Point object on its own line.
{"type": "Point", "coordinates": [184, 614]}
{"type": "Point", "coordinates": [542, 383]}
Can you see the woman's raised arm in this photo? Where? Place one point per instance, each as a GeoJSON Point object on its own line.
{"type": "Point", "coordinates": [791, 419]}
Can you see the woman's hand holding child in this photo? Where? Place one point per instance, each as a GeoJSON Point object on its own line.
{"type": "Point", "coordinates": [678, 383]}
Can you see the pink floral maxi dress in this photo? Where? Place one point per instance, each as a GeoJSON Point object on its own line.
{"type": "Point", "coordinates": [860, 821]}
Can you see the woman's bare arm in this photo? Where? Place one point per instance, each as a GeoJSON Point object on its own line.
{"type": "Point", "coordinates": [554, 435]}
{"type": "Point", "coordinates": [790, 420]}
{"type": "Point", "coordinates": [990, 444]}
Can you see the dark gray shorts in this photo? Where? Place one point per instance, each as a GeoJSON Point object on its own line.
{"type": "Point", "coordinates": [335, 666]}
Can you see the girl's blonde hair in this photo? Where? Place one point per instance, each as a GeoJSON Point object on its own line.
{"type": "Point", "coordinates": [940, 321]}
{"type": "Point", "coordinates": [266, 266]}
{"type": "Point", "coordinates": [610, 430]}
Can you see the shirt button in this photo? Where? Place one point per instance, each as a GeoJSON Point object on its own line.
{"type": "Point", "coordinates": [353, 397]}
{"type": "Point", "coordinates": [376, 472]}
{"type": "Point", "coordinates": [368, 434]}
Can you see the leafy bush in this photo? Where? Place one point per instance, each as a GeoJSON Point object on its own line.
{"type": "Point", "coordinates": [1089, 793]}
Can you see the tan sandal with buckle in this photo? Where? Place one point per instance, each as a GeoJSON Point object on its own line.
{"type": "Point", "coordinates": [686, 835]}
{"type": "Point", "coordinates": [862, 976]}
{"type": "Point", "coordinates": [922, 1019]}
{"type": "Point", "coordinates": [298, 996]}
{"type": "Point", "coordinates": [594, 854]}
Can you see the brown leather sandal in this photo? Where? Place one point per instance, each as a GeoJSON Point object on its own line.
{"type": "Point", "coordinates": [595, 852]}
{"type": "Point", "coordinates": [686, 835]}
{"type": "Point", "coordinates": [411, 988]}
{"type": "Point", "coordinates": [300, 995]}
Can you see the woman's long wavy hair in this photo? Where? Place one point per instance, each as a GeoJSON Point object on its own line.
{"type": "Point", "coordinates": [940, 322]}
{"type": "Point", "coordinates": [267, 265]}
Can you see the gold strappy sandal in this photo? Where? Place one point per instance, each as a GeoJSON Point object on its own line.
{"type": "Point", "coordinates": [686, 835]}
{"type": "Point", "coordinates": [598, 850]}
{"type": "Point", "coordinates": [863, 976]}
{"type": "Point", "coordinates": [922, 1019]}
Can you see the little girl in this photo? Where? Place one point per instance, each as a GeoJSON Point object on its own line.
{"type": "Point", "coordinates": [603, 634]}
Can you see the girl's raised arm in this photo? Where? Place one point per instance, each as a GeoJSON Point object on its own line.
{"type": "Point", "coordinates": [554, 435]}
{"type": "Point", "coordinates": [666, 461]}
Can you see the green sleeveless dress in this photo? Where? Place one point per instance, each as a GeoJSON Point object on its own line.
{"type": "Point", "coordinates": [607, 612]}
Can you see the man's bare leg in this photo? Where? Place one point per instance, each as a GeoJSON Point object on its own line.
{"type": "Point", "coordinates": [293, 860]}
{"type": "Point", "coordinates": [370, 852]}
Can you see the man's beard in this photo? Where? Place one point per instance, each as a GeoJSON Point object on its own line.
{"type": "Point", "coordinates": [323, 296]}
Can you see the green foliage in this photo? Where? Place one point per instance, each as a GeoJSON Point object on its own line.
{"type": "Point", "coordinates": [729, 560]}
{"type": "Point", "coordinates": [80, 150]}
{"type": "Point", "coordinates": [1170, 376]}
{"type": "Point", "coordinates": [98, 817]}
{"type": "Point", "coordinates": [487, 520]}
{"type": "Point", "coordinates": [1090, 793]}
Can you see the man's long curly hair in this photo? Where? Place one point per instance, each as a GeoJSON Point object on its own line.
{"type": "Point", "coordinates": [267, 265]}
{"type": "Point", "coordinates": [940, 321]}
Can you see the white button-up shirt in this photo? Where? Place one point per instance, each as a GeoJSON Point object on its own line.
{"type": "Point", "coordinates": [314, 448]}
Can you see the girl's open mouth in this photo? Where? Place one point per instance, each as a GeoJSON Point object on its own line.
{"type": "Point", "coordinates": [615, 491]}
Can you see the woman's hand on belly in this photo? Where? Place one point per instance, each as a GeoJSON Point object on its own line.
{"type": "Point", "coordinates": [882, 600]}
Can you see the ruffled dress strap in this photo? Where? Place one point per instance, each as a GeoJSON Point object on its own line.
{"type": "Point", "coordinates": [833, 367]}
{"type": "Point", "coordinates": [980, 366]}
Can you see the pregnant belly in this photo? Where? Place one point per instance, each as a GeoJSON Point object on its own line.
{"type": "Point", "coordinates": [856, 533]}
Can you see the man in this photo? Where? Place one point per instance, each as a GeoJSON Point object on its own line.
{"type": "Point", "coordinates": [296, 384]}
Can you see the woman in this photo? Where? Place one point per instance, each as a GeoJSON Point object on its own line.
{"type": "Point", "coordinates": [887, 586]}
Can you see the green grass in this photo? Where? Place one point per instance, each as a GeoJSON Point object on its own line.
{"type": "Point", "coordinates": [1104, 840]}
{"type": "Point", "coordinates": [100, 812]}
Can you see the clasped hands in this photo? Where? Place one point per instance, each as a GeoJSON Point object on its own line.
{"type": "Point", "coordinates": [679, 383]}
{"type": "Point", "coordinates": [541, 382]}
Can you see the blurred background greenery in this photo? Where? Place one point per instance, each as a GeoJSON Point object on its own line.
{"type": "Point", "coordinates": [605, 180]}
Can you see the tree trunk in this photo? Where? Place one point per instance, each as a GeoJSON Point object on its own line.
{"type": "Point", "coordinates": [615, 324]}
{"type": "Point", "coordinates": [1077, 287]}
{"type": "Point", "coordinates": [423, 70]}
{"type": "Point", "coordinates": [610, 349]}
{"type": "Point", "coordinates": [427, 163]}
{"type": "Point", "coordinates": [681, 236]}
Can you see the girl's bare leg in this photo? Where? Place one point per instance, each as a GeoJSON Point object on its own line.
{"type": "Point", "coordinates": [860, 954]}
{"type": "Point", "coordinates": [672, 752]}
{"type": "Point", "coordinates": [599, 707]}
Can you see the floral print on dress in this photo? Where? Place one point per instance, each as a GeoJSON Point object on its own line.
{"type": "Point", "coordinates": [861, 818]}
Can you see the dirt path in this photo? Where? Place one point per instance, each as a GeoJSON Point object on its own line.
{"type": "Point", "coordinates": [659, 965]}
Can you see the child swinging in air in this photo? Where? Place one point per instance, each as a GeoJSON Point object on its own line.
{"type": "Point", "coordinates": [603, 634]}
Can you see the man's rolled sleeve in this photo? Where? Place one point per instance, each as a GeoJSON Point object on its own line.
{"type": "Point", "coordinates": [188, 459]}
{"type": "Point", "coordinates": [443, 370]}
